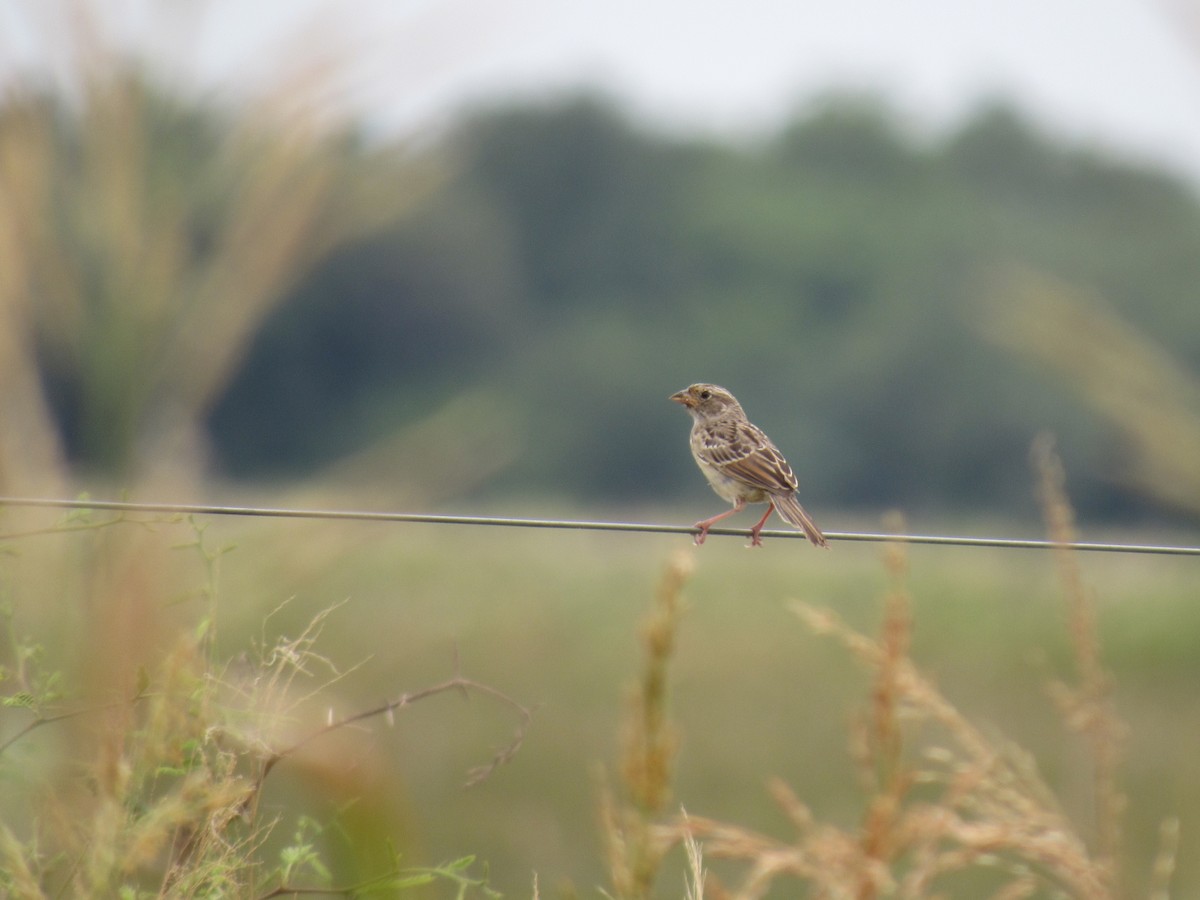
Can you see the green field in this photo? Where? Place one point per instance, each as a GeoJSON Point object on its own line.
{"type": "Point", "coordinates": [552, 620]}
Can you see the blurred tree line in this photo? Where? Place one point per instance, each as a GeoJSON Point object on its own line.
{"type": "Point", "coordinates": [841, 277]}
{"type": "Point", "coordinates": [853, 283]}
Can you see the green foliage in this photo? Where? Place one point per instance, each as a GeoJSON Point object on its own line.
{"type": "Point", "coordinates": [835, 275]}
{"type": "Point", "coordinates": [27, 682]}
{"type": "Point", "coordinates": [136, 767]}
{"type": "Point", "coordinates": [300, 858]}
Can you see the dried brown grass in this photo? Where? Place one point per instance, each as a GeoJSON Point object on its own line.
{"type": "Point", "coordinates": [634, 843]}
{"type": "Point", "coordinates": [945, 803]}
{"type": "Point", "coordinates": [1150, 399]}
{"type": "Point", "coordinates": [147, 232]}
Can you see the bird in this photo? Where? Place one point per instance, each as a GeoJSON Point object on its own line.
{"type": "Point", "coordinates": [740, 462]}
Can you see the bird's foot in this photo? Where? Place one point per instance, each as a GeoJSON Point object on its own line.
{"type": "Point", "coordinates": [756, 531]}
{"type": "Point", "coordinates": [705, 524]}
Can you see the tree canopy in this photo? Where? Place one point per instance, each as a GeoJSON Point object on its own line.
{"type": "Point", "coordinates": [842, 276]}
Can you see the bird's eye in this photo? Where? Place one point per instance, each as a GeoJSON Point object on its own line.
{"type": "Point", "coordinates": [705, 395]}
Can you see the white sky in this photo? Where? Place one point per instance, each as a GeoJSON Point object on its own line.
{"type": "Point", "coordinates": [1125, 73]}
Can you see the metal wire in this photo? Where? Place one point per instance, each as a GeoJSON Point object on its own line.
{"type": "Point", "coordinates": [566, 524]}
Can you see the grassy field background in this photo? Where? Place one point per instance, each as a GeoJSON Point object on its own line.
{"type": "Point", "coordinates": [552, 620]}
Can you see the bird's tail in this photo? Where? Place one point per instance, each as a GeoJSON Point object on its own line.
{"type": "Point", "coordinates": [793, 512]}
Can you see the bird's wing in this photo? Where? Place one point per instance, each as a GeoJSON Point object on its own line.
{"type": "Point", "coordinates": [741, 450]}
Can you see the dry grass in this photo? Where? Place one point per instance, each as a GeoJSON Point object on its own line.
{"type": "Point", "coordinates": [945, 803]}
{"type": "Point", "coordinates": [147, 761]}
{"type": "Point", "coordinates": [146, 234]}
{"type": "Point", "coordinates": [140, 772]}
{"type": "Point", "coordinates": [1150, 399]}
{"type": "Point", "coordinates": [635, 848]}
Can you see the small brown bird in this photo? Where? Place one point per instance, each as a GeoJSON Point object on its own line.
{"type": "Point", "coordinates": [740, 462]}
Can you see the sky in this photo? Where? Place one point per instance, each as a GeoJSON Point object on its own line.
{"type": "Point", "coordinates": [1124, 74]}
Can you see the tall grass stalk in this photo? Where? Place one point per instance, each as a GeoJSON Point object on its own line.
{"type": "Point", "coordinates": [146, 234]}
{"type": "Point", "coordinates": [1151, 399]}
{"type": "Point", "coordinates": [1087, 706]}
{"type": "Point", "coordinates": [635, 846]}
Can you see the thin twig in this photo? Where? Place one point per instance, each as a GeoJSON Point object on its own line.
{"type": "Point", "coordinates": [458, 682]}
{"type": "Point", "coordinates": [40, 720]}
{"type": "Point", "coordinates": [61, 529]}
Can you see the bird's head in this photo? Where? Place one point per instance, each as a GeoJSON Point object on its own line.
{"type": "Point", "coordinates": [706, 401]}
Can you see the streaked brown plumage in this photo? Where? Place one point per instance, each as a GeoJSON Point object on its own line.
{"type": "Point", "coordinates": [740, 462]}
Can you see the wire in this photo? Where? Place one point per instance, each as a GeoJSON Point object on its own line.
{"type": "Point", "coordinates": [566, 524]}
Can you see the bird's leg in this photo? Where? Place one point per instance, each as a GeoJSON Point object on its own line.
{"type": "Point", "coordinates": [755, 540]}
{"type": "Point", "coordinates": [708, 523]}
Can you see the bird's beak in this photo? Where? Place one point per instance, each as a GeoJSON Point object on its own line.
{"type": "Point", "coordinates": [684, 398]}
